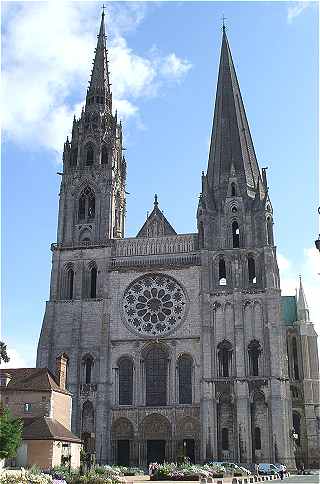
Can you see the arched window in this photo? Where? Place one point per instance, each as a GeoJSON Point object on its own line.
{"type": "Point", "coordinates": [89, 154]}
{"type": "Point", "coordinates": [295, 358]}
{"type": "Point", "coordinates": [125, 381]}
{"type": "Point", "coordinates": [257, 438]}
{"type": "Point", "coordinates": [252, 270]}
{"type": "Point", "coordinates": [297, 426]}
{"type": "Point", "coordinates": [254, 351]}
{"type": "Point", "coordinates": [269, 231]}
{"type": "Point", "coordinates": [235, 235]}
{"type": "Point", "coordinates": [93, 282]}
{"type": "Point", "coordinates": [87, 205]}
{"type": "Point", "coordinates": [185, 379]}
{"type": "Point", "coordinates": [156, 377]}
{"type": "Point", "coordinates": [104, 154]}
{"type": "Point", "coordinates": [201, 235]}
{"type": "Point", "coordinates": [82, 207]}
{"type": "Point", "coordinates": [224, 439]}
{"type": "Point", "coordinates": [233, 189]}
{"type": "Point", "coordinates": [224, 358]}
{"type": "Point", "coordinates": [222, 272]}
{"type": "Point", "coordinates": [88, 366]}
{"type": "Point", "coordinates": [74, 156]}
{"type": "Point", "coordinates": [87, 427]}
{"type": "Point", "coordinates": [69, 283]}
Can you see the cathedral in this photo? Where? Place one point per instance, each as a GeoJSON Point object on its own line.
{"type": "Point", "coordinates": [172, 344]}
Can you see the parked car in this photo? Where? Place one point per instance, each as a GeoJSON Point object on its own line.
{"type": "Point", "coordinates": [232, 468]}
{"type": "Point", "coordinates": [267, 469]}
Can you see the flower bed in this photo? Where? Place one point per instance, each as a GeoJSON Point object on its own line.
{"type": "Point", "coordinates": [184, 472]}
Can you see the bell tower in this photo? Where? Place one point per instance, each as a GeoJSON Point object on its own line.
{"type": "Point", "coordinates": [240, 289]}
{"type": "Point", "coordinates": [92, 193]}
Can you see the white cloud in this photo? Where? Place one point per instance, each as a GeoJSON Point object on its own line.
{"type": "Point", "coordinates": [47, 49]}
{"type": "Point", "coordinates": [175, 67]}
{"type": "Point", "coordinates": [295, 9]}
{"type": "Point", "coordinates": [16, 360]}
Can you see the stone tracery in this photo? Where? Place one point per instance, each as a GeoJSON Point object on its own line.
{"type": "Point", "coordinates": [154, 304]}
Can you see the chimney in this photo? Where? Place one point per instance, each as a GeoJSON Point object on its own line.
{"type": "Point", "coordinates": [61, 370]}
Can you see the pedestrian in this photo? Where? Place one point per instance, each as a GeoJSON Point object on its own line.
{"type": "Point", "coordinates": [302, 468]}
{"type": "Point", "coordinates": [281, 473]}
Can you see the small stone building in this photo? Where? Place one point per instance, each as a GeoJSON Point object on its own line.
{"type": "Point", "coordinates": [34, 395]}
{"type": "Point", "coordinates": [175, 343]}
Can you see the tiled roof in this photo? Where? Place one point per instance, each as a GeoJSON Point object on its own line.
{"type": "Point", "coordinates": [45, 428]}
{"type": "Point", "coordinates": [34, 379]}
{"type": "Point", "coordinates": [289, 310]}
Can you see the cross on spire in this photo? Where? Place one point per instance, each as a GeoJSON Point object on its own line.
{"type": "Point", "coordinates": [223, 23]}
{"type": "Point", "coordinates": [103, 9]}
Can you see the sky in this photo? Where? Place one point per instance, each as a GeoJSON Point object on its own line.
{"type": "Point", "coordinates": [164, 64]}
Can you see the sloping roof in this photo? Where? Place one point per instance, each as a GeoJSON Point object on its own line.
{"type": "Point", "coordinates": [289, 309]}
{"type": "Point", "coordinates": [156, 224]}
{"type": "Point", "coordinates": [32, 379]}
{"type": "Point", "coordinates": [45, 428]}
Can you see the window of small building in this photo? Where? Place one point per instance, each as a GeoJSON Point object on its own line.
{"type": "Point", "coordinates": [233, 189]}
{"type": "Point", "coordinates": [27, 407]}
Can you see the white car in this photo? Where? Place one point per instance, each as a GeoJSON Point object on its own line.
{"type": "Point", "coordinates": [267, 469]}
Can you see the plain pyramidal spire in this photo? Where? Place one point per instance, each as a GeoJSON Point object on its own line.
{"type": "Point", "coordinates": [231, 143]}
{"type": "Point", "coordinates": [100, 83]}
{"type": "Point", "coordinates": [302, 305]}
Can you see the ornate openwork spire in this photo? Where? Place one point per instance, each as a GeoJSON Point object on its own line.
{"type": "Point", "coordinates": [99, 91]}
{"type": "Point", "coordinates": [231, 142]}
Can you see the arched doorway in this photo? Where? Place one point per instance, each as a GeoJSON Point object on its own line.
{"type": "Point", "coordinates": [156, 432]}
{"type": "Point", "coordinates": [188, 430]}
{"type": "Point", "coordinates": [122, 438]}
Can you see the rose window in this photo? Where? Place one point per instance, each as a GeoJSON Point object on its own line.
{"type": "Point", "coordinates": [154, 304]}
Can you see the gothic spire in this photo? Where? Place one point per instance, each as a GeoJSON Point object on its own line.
{"type": "Point", "coordinates": [99, 83]}
{"type": "Point", "coordinates": [302, 306]}
{"type": "Point", "coordinates": [231, 142]}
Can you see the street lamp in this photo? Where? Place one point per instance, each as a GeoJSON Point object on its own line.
{"type": "Point", "coordinates": [317, 242]}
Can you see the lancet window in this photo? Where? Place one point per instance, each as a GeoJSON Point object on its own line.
{"type": "Point", "coordinates": [252, 270]}
{"type": "Point", "coordinates": [185, 379]}
{"type": "Point", "coordinates": [156, 364]}
{"type": "Point", "coordinates": [235, 235]}
{"type": "Point", "coordinates": [222, 272]}
{"type": "Point", "coordinates": [125, 381]}
{"type": "Point", "coordinates": [87, 205]}
{"type": "Point", "coordinates": [224, 358]}
{"type": "Point", "coordinates": [254, 351]}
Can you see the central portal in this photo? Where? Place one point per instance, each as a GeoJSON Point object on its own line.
{"type": "Point", "coordinates": [156, 451]}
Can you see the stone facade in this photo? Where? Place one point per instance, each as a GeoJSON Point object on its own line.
{"type": "Point", "coordinates": [175, 343]}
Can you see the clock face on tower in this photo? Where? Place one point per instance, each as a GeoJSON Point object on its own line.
{"type": "Point", "coordinates": [154, 304]}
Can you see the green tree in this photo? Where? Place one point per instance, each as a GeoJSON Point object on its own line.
{"type": "Point", "coordinates": [3, 353]}
{"type": "Point", "coordinates": [10, 434]}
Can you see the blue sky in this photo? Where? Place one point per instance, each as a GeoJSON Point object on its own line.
{"type": "Point", "coordinates": [164, 64]}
